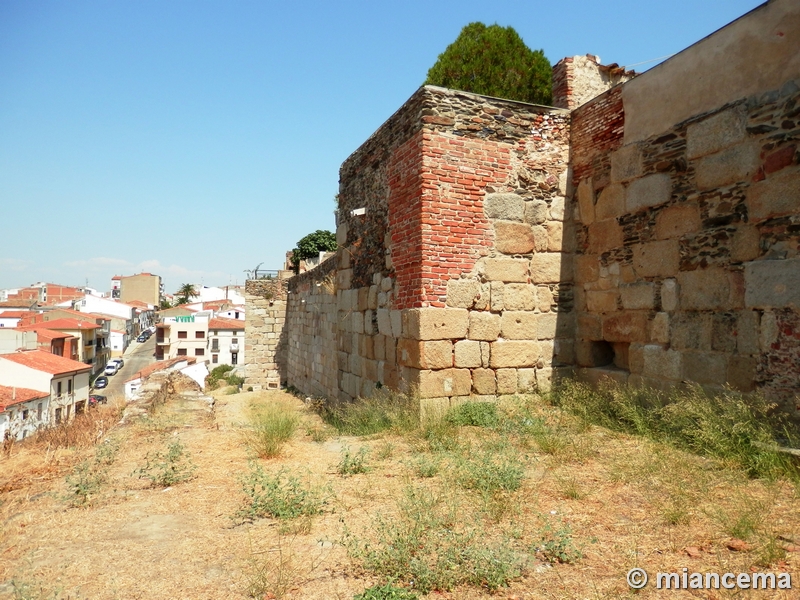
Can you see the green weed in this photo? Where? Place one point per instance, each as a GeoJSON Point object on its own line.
{"type": "Point", "coordinates": [556, 545]}
{"type": "Point", "coordinates": [282, 496]}
{"type": "Point", "coordinates": [386, 592]}
{"type": "Point", "coordinates": [88, 477]}
{"type": "Point", "coordinates": [353, 463]}
{"type": "Point", "coordinates": [167, 468]}
{"type": "Point", "coordinates": [270, 427]}
{"type": "Point", "coordinates": [384, 411]}
{"type": "Point", "coordinates": [477, 414]}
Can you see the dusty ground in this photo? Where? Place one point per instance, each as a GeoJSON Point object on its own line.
{"type": "Point", "coordinates": [624, 501]}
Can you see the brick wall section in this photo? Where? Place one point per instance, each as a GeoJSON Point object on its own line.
{"type": "Point", "coordinates": [689, 247]}
{"type": "Point", "coordinates": [265, 336]}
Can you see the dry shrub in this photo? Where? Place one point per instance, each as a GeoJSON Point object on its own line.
{"type": "Point", "coordinates": [83, 431]}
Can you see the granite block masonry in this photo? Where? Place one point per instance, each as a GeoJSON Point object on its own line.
{"type": "Point", "coordinates": [647, 229]}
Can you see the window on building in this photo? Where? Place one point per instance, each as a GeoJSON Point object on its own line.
{"type": "Point", "coordinates": [235, 341]}
{"type": "Point", "coordinates": [234, 359]}
{"type": "Point", "coordinates": [199, 334]}
{"type": "Point", "coordinates": [199, 351]}
{"type": "Point", "coordinates": [25, 414]}
{"type": "Point", "coordinates": [69, 386]}
{"type": "Point", "coordinates": [58, 389]}
{"type": "Point", "coordinates": [215, 345]}
{"type": "Point", "coordinates": [181, 351]}
{"type": "Point", "coordinates": [182, 335]}
{"type": "Point", "coordinates": [39, 411]}
{"type": "Point", "coordinates": [58, 415]}
{"type": "Point", "coordinates": [215, 358]}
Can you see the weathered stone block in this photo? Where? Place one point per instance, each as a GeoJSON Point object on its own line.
{"type": "Point", "coordinates": [675, 221]}
{"type": "Point", "coordinates": [704, 289]}
{"type": "Point", "coordinates": [648, 191]}
{"type": "Point", "coordinates": [626, 163]}
{"type": "Point", "coordinates": [661, 364]}
{"type": "Point", "coordinates": [435, 323]}
{"type": "Point", "coordinates": [551, 267]}
{"type": "Point", "coordinates": [513, 238]}
{"type": "Point", "coordinates": [564, 351]}
{"type": "Point", "coordinates": [741, 372]}
{"type": "Point", "coordinates": [540, 238]}
{"type": "Point", "coordinates": [611, 202]}
{"type": "Point", "coordinates": [590, 327]}
{"type": "Point", "coordinates": [496, 296]}
{"type": "Point", "coordinates": [509, 207]}
{"type": "Point", "coordinates": [547, 325]}
{"type": "Point", "coordinates": [732, 165]}
{"type": "Point", "coordinates": [379, 347]}
{"type": "Point", "coordinates": [545, 297]}
{"type": "Point", "coordinates": [745, 244]}
{"type": "Point", "coordinates": [557, 206]}
{"type": "Point", "coordinates": [397, 323]}
{"type": "Point", "coordinates": [602, 301]}
{"type": "Point", "coordinates": [691, 330]}
{"type": "Point", "coordinates": [483, 326]}
{"type": "Point", "coordinates": [775, 196]}
{"type": "Point", "coordinates": [604, 236]}
{"type": "Point", "coordinates": [372, 302]}
{"type": "Point", "coordinates": [768, 331]}
{"type": "Point", "coordinates": [341, 234]}
{"type": "Point", "coordinates": [506, 381]}
{"type": "Point", "coordinates": [519, 325]}
{"type": "Point", "coordinates": [536, 212]}
{"type": "Point", "coordinates": [716, 132]}
{"type": "Point", "coordinates": [357, 322]}
{"type": "Point", "coordinates": [483, 381]}
{"type": "Point", "coordinates": [384, 322]}
{"type": "Point", "coordinates": [513, 353]}
{"type": "Point", "coordinates": [462, 293]}
{"type": "Point", "coordinates": [723, 332]}
{"type": "Point", "coordinates": [369, 322]}
{"type": "Point", "coordinates": [585, 195]}
{"type": "Point", "coordinates": [656, 259]}
{"type": "Point", "coordinates": [669, 295]}
{"type": "Point", "coordinates": [747, 332]}
{"type": "Point", "coordinates": [468, 354]}
{"type": "Point", "coordinates": [554, 241]}
{"type": "Point", "coordinates": [587, 268]}
{"type": "Point", "coordinates": [544, 379]}
{"type": "Point", "coordinates": [363, 298]}
{"type": "Point", "coordinates": [625, 327]}
{"type": "Point", "coordinates": [343, 277]}
{"type": "Point", "coordinates": [519, 296]}
{"type": "Point", "coordinates": [636, 358]}
{"type": "Point", "coordinates": [772, 283]}
{"type": "Point", "coordinates": [638, 296]}
{"type": "Point", "coordinates": [508, 270]}
{"type": "Point", "coordinates": [705, 367]}
{"type": "Point", "coordinates": [447, 382]}
{"type": "Point", "coordinates": [659, 328]}
{"type": "Point", "coordinates": [526, 381]}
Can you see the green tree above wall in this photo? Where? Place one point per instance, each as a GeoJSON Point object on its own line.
{"type": "Point", "coordinates": [311, 245]}
{"type": "Point", "coordinates": [494, 61]}
{"type": "Point", "coordinates": [185, 292]}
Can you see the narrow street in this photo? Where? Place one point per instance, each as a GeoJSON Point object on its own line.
{"type": "Point", "coordinates": [137, 356]}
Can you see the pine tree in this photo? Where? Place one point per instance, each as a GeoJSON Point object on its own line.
{"type": "Point", "coordinates": [494, 61]}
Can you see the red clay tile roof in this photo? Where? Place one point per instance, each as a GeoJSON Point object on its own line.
{"type": "Point", "coordinates": [9, 396]}
{"type": "Point", "coordinates": [116, 277]}
{"type": "Point", "coordinates": [225, 324]}
{"type": "Point", "coordinates": [13, 314]}
{"type": "Point", "coordinates": [46, 362]}
{"type": "Point", "coordinates": [46, 334]}
{"type": "Point", "coordinates": [62, 324]}
{"type": "Point", "coordinates": [17, 304]}
{"type": "Point", "coordinates": [138, 304]}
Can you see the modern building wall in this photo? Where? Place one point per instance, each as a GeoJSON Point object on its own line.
{"type": "Point", "coordinates": [143, 287]}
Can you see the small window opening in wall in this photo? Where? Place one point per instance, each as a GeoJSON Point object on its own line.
{"type": "Point", "coordinates": [357, 212]}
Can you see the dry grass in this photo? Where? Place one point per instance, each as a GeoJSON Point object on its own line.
{"type": "Point", "coordinates": [534, 498]}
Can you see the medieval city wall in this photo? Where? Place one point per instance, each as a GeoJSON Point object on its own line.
{"type": "Point", "coordinates": [265, 335]}
{"type": "Point", "coordinates": [687, 198]}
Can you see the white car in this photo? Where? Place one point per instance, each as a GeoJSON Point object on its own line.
{"type": "Point", "coordinates": [111, 368]}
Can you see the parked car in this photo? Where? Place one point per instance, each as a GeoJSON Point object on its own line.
{"type": "Point", "coordinates": [142, 338]}
{"type": "Point", "coordinates": [95, 399]}
{"type": "Point", "coordinates": [100, 382]}
{"type": "Point", "coordinates": [111, 368]}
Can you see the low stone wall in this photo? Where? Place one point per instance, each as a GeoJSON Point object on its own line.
{"type": "Point", "coordinates": [265, 337]}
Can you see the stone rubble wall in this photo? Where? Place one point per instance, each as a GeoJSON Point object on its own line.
{"type": "Point", "coordinates": [688, 265]}
{"type": "Point", "coordinates": [265, 335]}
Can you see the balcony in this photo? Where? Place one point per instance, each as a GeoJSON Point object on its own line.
{"type": "Point", "coordinates": [234, 348]}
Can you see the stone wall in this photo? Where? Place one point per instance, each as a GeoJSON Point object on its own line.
{"type": "Point", "coordinates": [265, 335]}
{"type": "Point", "coordinates": [688, 265]}
{"type": "Point", "coordinates": [311, 330]}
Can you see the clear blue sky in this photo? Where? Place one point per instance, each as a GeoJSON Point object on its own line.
{"type": "Point", "coordinates": [198, 139]}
